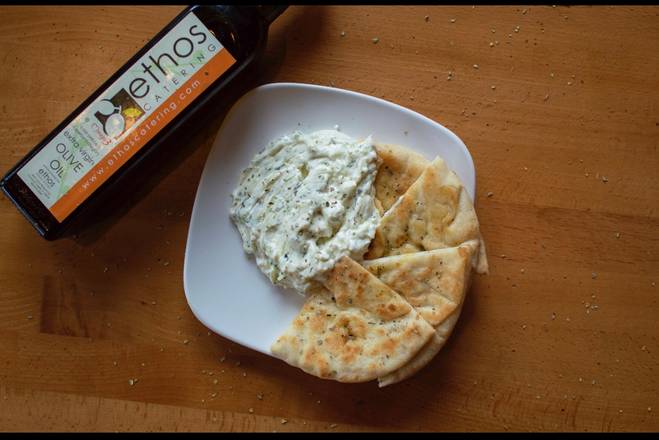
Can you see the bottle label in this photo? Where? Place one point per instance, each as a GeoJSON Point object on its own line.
{"type": "Point", "coordinates": [126, 116]}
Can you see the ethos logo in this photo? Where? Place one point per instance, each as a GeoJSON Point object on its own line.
{"type": "Point", "coordinates": [177, 57]}
{"type": "Point", "coordinates": [154, 78]}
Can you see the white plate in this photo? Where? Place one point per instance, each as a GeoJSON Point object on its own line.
{"type": "Point", "coordinates": [224, 288]}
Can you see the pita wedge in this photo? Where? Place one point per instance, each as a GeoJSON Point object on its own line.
{"type": "Point", "coordinates": [398, 169]}
{"type": "Point", "coordinates": [426, 354]}
{"type": "Point", "coordinates": [434, 213]}
{"type": "Point", "coordinates": [434, 283]}
{"type": "Point", "coordinates": [356, 329]}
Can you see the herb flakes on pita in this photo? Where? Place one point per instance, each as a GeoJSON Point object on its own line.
{"type": "Point", "coordinates": [356, 329]}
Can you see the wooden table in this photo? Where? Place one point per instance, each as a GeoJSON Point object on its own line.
{"type": "Point", "coordinates": [559, 107]}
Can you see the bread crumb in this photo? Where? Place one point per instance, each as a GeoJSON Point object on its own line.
{"type": "Point", "coordinates": [475, 66]}
{"type": "Point", "coordinates": [375, 40]}
{"type": "Point", "coordinates": [251, 410]}
{"type": "Point", "coordinates": [343, 33]}
{"type": "Point", "coordinates": [593, 275]}
{"type": "Point", "coordinates": [284, 421]}
{"type": "Point", "coordinates": [490, 194]}
{"type": "Point", "coordinates": [453, 20]}
{"type": "Point", "coordinates": [427, 18]}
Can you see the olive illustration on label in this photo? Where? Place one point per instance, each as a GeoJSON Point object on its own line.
{"type": "Point", "coordinates": [114, 125]}
{"type": "Point", "coordinates": [110, 116]}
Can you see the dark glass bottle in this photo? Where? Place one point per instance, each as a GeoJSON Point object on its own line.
{"type": "Point", "coordinates": [90, 156]}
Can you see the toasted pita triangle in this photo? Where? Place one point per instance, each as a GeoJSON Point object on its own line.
{"type": "Point", "coordinates": [355, 329]}
{"type": "Point", "coordinates": [434, 213]}
{"type": "Point", "coordinates": [399, 168]}
{"type": "Point", "coordinates": [426, 354]}
{"type": "Point", "coordinates": [435, 283]}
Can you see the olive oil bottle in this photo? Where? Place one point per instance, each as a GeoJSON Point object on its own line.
{"type": "Point", "coordinates": [80, 164]}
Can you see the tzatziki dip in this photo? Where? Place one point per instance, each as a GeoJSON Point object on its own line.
{"type": "Point", "coordinates": [304, 202]}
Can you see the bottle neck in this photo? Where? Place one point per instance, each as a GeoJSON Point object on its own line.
{"type": "Point", "coordinates": [270, 12]}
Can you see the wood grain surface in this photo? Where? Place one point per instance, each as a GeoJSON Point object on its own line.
{"type": "Point", "coordinates": [559, 107]}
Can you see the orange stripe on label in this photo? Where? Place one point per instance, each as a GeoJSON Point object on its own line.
{"type": "Point", "coordinates": [120, 154]}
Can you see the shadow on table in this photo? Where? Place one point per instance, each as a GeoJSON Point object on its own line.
{"type": "Point", "coordinates": [421, 402]}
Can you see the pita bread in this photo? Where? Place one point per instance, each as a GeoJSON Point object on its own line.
{"type": "Point", "coordinates": [434, 283]}
{"type": "Point", "coordinates": [426, 354]}
{"type": "Point", "coordinates": [399, 168]}
{"type": "Point", "coordinates": [389, 317]}
{"type": "Point", "coordinates": [355, 329]}
{"type": "Point", "coordinates": [434, 213]}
